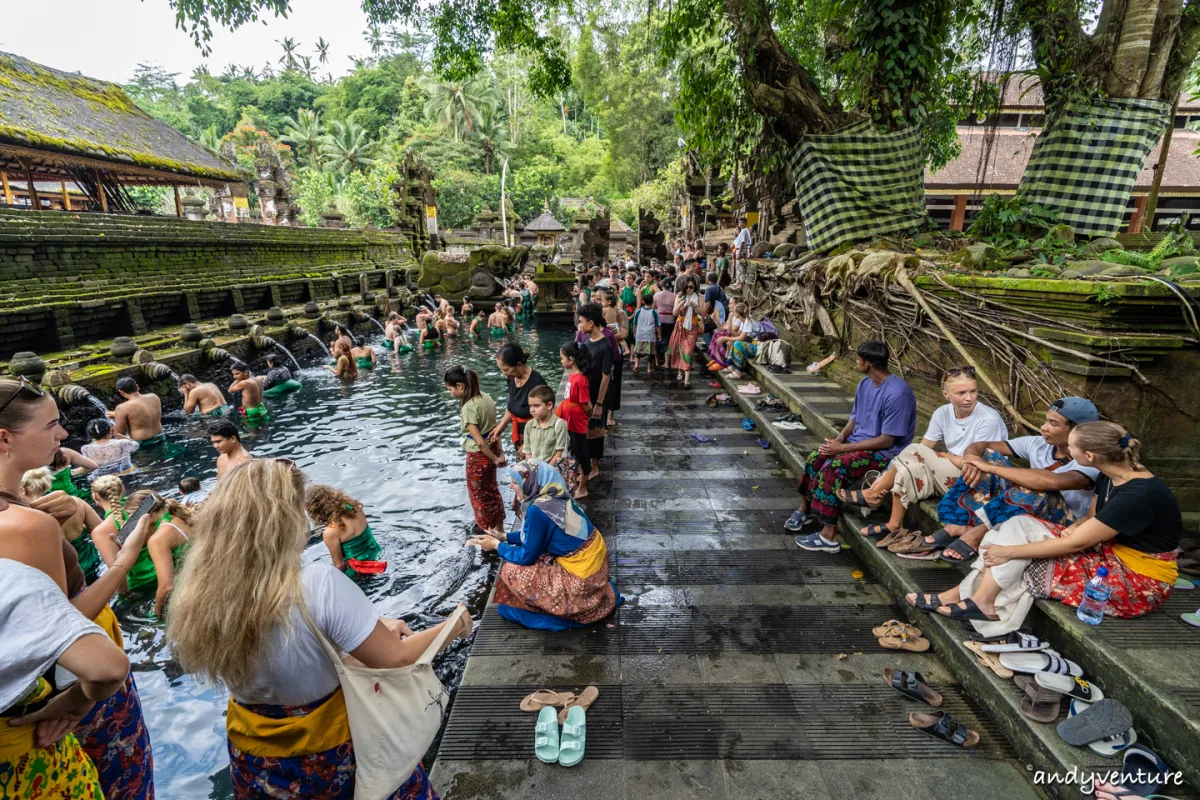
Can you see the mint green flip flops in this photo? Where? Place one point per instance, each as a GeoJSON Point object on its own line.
{"type": "Point", "coordinates": [545, 742]}
{"type": "Point", "coordinates": [1191, 619]}
{"type": "Point", "coordinates": [574, 732]}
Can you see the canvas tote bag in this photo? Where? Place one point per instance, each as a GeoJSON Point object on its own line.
{"type": "Point", "coordinates": [394, 714]}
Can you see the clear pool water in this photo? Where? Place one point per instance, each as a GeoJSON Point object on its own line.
{"type": "Point", "coordinates": [391, 440]}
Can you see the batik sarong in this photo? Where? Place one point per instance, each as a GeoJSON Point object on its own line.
{"type": "Point", "coordinates": [1000, 500]}
{"type": "Point", "coordinates": [484, 492]}
{"type": "Point", "coordinates": [824, 475]}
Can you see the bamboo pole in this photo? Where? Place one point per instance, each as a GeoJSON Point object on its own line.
{"type": "Point", "coordinates": [8, 198]}
{"type": "Point", "coordinates": [178, 202]}
{"type": "Point", "coordinates": [903, 279]}
{"type": "Point", "coordinates": [66, 198]}
{"type": "Point", "coordinates": [100, 191]}
{"type": "Point", "coordinates": [34, 200]}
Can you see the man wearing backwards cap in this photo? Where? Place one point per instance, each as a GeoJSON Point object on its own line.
{"type": "Point", "coordinates": [1053, 488]}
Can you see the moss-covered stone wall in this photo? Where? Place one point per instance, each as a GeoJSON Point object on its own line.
{"type": "Point", "coordinates": [68, 279]}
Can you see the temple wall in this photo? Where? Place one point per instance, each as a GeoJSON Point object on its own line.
{"type": "Point", "coordinates": [70, 279]}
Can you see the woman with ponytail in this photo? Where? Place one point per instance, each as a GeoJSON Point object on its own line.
{"type": "Point", "coordinates": [477, 411]}
{"type": "Point", "coordinates": [1133, 529]}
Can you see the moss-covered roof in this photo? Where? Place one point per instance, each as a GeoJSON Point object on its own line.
{"type": "Point", "coordinates": [45, 109]}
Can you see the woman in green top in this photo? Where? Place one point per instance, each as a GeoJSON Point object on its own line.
{"type": "Point", "coordinates": [76, 529]}
{"type": "Point", "coordinates": [64, 460]}
{"type": "Point", "coordinates": [431, 337]}
{"type": "Point", "coordinates": [347, 533]}
{"type": "Point", "coordinates": [364, 357]}
{"type": "Point", "coordinates": [164, 551]}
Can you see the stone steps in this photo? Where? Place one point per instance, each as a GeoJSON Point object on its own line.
{"type": "Point", "coordinates": [1149, 663]}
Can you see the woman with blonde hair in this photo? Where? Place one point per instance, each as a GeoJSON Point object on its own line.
{"type": "Point", "coordinates": [255, 630]}
{"type": "Point", "coordinates": [344, 366]}
{"type": "Point", "coordinates": [1132, 530]}
{"type": "Point", "coordinates": [113, 733]}
{"type": "Point", "coordinates": [77, 529]}
{"type": "Point", "coordinates": [161, 558]}
{"type": "Point", "coordinates": [346, 532]}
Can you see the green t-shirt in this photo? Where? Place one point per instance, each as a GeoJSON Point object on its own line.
{"type": "Point", "coordinates": [542, 442]}
{"type": "Point", "coordinates": [723, 264]}
{"type": "Point", "coordinates": [479, 411]}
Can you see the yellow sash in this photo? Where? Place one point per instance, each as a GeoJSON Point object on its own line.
{"type": "Point", "coordinates": [107, 620]}
{"type": "Point", "coordinates": [16, 742]}
{"type": "Point", "coordinates": [323, 729]}
{"type": "Point", "coordinates": [1146, 564]}
{"type": "Point", "coordinates": [585, 561]}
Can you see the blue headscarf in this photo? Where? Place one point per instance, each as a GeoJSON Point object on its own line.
{"type": "Point", "coordinates": [544, 487]}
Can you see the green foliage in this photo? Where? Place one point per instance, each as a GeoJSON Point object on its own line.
{"type": "Point", "coordinates": [462, 193]}
{"type": "Point", "coordinates": [1175, 242]}
{"type": "Point", "coordinates": [347, 148]}
{"type": "Point", "coordinates": [1008, 218]}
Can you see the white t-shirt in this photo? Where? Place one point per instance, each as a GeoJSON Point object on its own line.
{"type": "Point", "coordinates": [37, 625]}
{"type": "Point", "coordinates": [294, 668]}
{"type": "Point", "coordinates": [1040, 455]}
{"type": "Point", "coordinates": [983, 425]}
{"type": "Point", "coordinates": [742, 241]}
{"type": "Point", "coordinates": [749, 327]}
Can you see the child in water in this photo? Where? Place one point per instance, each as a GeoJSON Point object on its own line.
{"type": "Point", "coordinates": [346, 532]}
{"type": "Point", "coordinates": [575, 410]}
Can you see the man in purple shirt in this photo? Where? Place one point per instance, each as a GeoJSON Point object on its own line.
{"type": "Point", "coordinates": [882, 423]}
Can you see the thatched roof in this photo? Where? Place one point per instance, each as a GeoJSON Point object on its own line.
{"type": "Point", "coordinates": [545, 223]}
{"type": "Point", "coordinates": [86, 120]}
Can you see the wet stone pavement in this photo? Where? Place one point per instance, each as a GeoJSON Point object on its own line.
{"type": "Point", "coordinates": [740, 665]}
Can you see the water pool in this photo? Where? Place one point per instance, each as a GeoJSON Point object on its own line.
{"type": "Point", "coordinates": [391, 440]}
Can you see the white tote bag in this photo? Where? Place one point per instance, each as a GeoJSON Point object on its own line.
{"type": "Point", "coordinates": [394, 714]}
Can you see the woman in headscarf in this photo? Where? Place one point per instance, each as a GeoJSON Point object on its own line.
{"type": "Point", "coordinates": [555, 571]}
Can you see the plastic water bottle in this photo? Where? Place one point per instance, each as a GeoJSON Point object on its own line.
{"type": "Point", "coordinates": [1095, 598]}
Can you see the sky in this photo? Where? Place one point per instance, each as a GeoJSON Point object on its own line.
{"type": "Point", "coordinates": [107, 39]}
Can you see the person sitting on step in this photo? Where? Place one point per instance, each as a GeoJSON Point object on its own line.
{"type": "Point", "coordinates": [1054, 487]}
{"type": "Point", "coordinates": [881, 424]}
{"type": "Point", "coordinates": [920, 471]}
{"type": "Point", "coordinates": [1132, 528]}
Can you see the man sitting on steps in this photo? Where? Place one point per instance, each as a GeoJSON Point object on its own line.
{"type": "Point", "coordinates": [882, 423]}
{"type": "Point", "coordinates": [139, 416]}
{"type": "Point", "coordinates": [1054, 488]}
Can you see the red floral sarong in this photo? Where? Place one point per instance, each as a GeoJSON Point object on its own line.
{"type": "Point", "coordinates": [484, 492]}
{"type": "Point", "coordinates": [1064, 578]}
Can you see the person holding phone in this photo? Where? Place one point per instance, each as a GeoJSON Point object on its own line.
{"type": "Point", "coordinates": [247, 629]}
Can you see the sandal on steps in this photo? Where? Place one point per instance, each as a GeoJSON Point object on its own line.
{"type": "Point", "coordinates": [895, 624]}
{"type": "Point", "coordinates": [574, 735]}
{"type": "Point", "coordinates": [903, 541]}
{"type": "Point", "coordinates": [912, 685]}
{"type": "Point", "coordinates": [891, 538]}
{"type": "Point", "coordinates": [545, 738]}
{"type": "Point", "coordinates": [1102, 720]}
{"type": "Point", "coordinates": [967, 611]}
{"type": "Point", "coordinates": [988, 660]}
{"type": "Point", "coordinates": [966, 554]}
{"type": "Point", "coordinates": [880, 530]}
{"type": "Point", "coordinates": [855, 497]}
{"type": "Point", "coordinates": [545, 697]}
{"type": "Point", "coordinates": [929, 602]}
{"type": "Point", "coordinates": [902, 641]}
{"type": "Point", "coordinates": [584, 700]}
{"type": "Point", "coordinates": [944, 727]}
{"type": "Point", "coordinates": [940, 539]}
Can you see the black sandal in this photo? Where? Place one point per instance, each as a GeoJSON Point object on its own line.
{"type": "Point", "coordinates": [941, 539]}
{"type": "Point", "coordinates": [944, 727]}
{"type": "Point", "coordinates": [912, 685]}
{"type": "Point", "coordinates": [967, 554]}
{"type": "Point", "coordinates": [878, 530]}
{"type": "Point", "coordinates": [967, 611]}
{"type": "Point", "coordinates": [855, 497]}
{"type": "Point", "coordinates": [923, 603]}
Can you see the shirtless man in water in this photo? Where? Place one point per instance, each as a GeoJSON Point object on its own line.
{"type": "Point", "coordinates": [252, 392]}
{"type": "Point", "coordinates": [498, 321]}
{"type": "Point", "coordinates": [228, 443]}
{"type": "Point", "coordinates": [139, 416]}
{"type": "Point", "coordinates": [203, 397]}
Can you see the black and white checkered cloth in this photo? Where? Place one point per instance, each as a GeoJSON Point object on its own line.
{"type": "Point", "coordinates": [1086, 163]}
{"type": "Point", "coordinates": [859, 183]}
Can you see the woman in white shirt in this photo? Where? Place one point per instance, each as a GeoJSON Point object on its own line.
{"type": "Point", "coordinates": [236, 619]}
{"type": "Point", "coordinates": [741, 342]}
{"type": "Point", "coordinates": [109, 450]}
{"type": "Point", "coordinates": [919, 471]}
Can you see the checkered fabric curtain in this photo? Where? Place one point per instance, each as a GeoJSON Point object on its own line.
{"type": "Point", "coordinates": [1085, 164]}
{"type": "Point", "coordinates": [859, 183]}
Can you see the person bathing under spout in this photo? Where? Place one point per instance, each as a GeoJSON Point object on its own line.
{"type": "Point", "coordinates": [202, 398]}
{"type": "Point", "coordinates": [920, 471]}
{"type": "Point", "coordinates": [252, 393]}
{"type": "Point", "coordinates": [881, 424]}
{"type": "Point", "coordinates": [138, 416]}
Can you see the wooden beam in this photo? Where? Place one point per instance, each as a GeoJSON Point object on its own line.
{"type": "Point", "coordinates": [35, 201]}
{"type": "Point", "coordinates": [1139, 214]}
{"type": "Point", "coordinates": [100, 191]}
{"type": "Point", "coordinates": [8, 198]}
{"type": "Point", "coordinates": [959, 215]}
{"type": "Point", "coordinates": [178, 202]}
{"type": "Point", "coordinates": [66, 198]}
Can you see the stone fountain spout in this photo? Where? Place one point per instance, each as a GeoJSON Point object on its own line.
{"type": "Point", "coordinates": [258, 335]}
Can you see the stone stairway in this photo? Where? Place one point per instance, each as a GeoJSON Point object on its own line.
{"type": "Point", "coordinates": [1148, 663]}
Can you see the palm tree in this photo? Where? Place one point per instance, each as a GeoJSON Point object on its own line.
{"type": "Point", "coordinates": [289, 46]}
{"type": "Point", "coordinates": [347, 148]}
{"type": "Point", "coordinates": [306, 135]}
{"type": "Point", "coordinates": [210, 138]}
{"type": "Point", "coordinates": [323, 52]}
{"type": "Point", "coordinates": [491, 131]}
{"type": "Point", "coordinates": [374, 38]}
{"type": "Point", "coordinates": [307, 65]}
{"type": "Point", "coordinates": [456, 105]}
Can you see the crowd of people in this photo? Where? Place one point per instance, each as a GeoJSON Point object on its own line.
{"type": "Point", "coordinates": [1084, 501]}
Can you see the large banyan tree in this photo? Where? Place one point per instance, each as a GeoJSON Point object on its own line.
{"type": "Point", "coordinates": [833, 88]}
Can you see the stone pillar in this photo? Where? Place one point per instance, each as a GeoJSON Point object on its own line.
{"type": "Point", "coordinates": [192, 302]}
{"type": "Point", "coordinates": [239, 302]}
{"type": "Point", "coordinates": [64, 334]}
{"type": "Point", "coordinates": [133, 311]}
{"type": "Point", "coordinates": [276, 295]}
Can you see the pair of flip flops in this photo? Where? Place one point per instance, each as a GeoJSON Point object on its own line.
{"type": "Point", "coordinates": [944, 727]}
{"type": "Point", "coordinates": [1109, 746]}
{"type": "Point", "coordinates": [912, 685]}
{"type": "Point", "coordinates": [1097, 722]}
{"type": "Point", "coordinates": [548, 698]}
{"type": "Point", "coordinates": [904, 639]}
{"type": "Point", "coordinates": [988, 660]}
{"type": "Point", "coordinates": [750, 389]}
{"type": "Point", "coordinates": [564, 746]}
{"type": "Point", "coordinates": [1039, 703]}
{"type": "Point", "coordinates": [1041, 661]}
